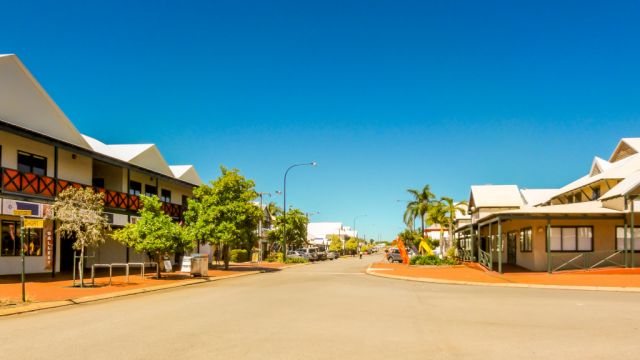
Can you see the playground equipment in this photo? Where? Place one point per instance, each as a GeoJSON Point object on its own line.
{"type": "Point", "coordinates": [424, 248]}
{"type": "Point", "coordinates": [403, 251]}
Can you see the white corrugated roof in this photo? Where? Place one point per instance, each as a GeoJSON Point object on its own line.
{"type": "Point", "coordinates": [25, 103]}
{"type": "Point", "coordinates": [581, 208]}
{"type": "Point", "coordinates": [626, 186]}
{"type": "Point", "coordinates": [187, 173]}
{"type": "Point", "coordinates": [496, 196]}
{"type": "Point", "coordinates": [533, 197]}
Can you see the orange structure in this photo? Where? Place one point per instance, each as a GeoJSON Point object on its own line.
{"type": "Point", "coordinates": [403, 251]}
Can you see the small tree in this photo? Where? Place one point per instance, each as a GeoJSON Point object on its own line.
{"type": "Point", "coordinates": [351, 245]}
{"type": "Point", "coordinates": [296, 228]}
{"type": "Point", "coordinates": [223, 214]}
{"type": "Point", "coordinates": [155, 232]}
{"type": "Point", "coordinates": [335, 244]}
{"type": "Point", "coordinates": [79, 212]}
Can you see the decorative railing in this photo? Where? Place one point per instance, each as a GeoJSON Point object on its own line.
{"type": "Point", "coordinates": [485, 259]}
{"type": "Point", "coordinates": [15, 181]}
{"type": "Point", "coordinates": [587, 260]}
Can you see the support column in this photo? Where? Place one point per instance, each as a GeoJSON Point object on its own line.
{"type": "Point", "coordinates": [626, 249]}
{"type": "Point", "coordinates": [54, 248]}
{"type": "Point", "coordinates": [499, 246]}
{"type": "Point", "coordinates": [549, 246]}
{"type": "Point", "coordinates": [472, 244]}
{"type": "Point", "coordinates": [633, 234]}
{"type": "Point", "coordinates": [490, 249]}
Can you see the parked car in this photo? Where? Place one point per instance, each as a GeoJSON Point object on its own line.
{"type": "Point", "coordinates": [309, 253]}
{"type": "Point", "coordinates": [322, 255]}
{"type": "Point", "coordinates": [332, 255]}
{"type": "Point", "coordinates": [394, 255]}
{"type": "Point", "coordinates": [294, 254]}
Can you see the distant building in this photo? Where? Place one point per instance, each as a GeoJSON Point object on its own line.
{"type": "Point", "coordinates": [318, 232]}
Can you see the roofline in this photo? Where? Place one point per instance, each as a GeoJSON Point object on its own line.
{"type": "Point", "coordinates": [18, 130]}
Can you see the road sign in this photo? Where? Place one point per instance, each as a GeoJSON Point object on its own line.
{"type": "Point", "coordinates": [22, 212]}
{"type": "Point", "coordinates": [33, 223]}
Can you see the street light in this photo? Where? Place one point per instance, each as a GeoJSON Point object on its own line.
{"type": "Point", "coordinates": [284, 214]}
{"type": "Point", "coordinates": [260, 225]}
{"type": "Point", "coordinates": [354, 226]}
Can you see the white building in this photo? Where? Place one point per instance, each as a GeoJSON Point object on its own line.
{"type": "Point", "coordinates": [318, 232]}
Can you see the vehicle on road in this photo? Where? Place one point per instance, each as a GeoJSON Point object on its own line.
{"type": "Point", "coordinates": [394, 255]}
{"type": "Point", "coordinates": [322, 255]}
{"type": "Point", "coordinates": [295, 254]}
{"type": "Point", "coordinates": [332, 255]}
{"type": "Point", "coordinates": [309, 253]}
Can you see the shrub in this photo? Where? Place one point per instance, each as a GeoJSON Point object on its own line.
{"type": "Point", "coordinates": [239, 255]}
{"type": "Point", "coordinates": [430, 260]}
{"type": "Point", "coordinates": [275, 257]}
{"type": "Point", "coordinates": [296, 260]}
{"type": "Point", "coordinates": [451, 253]}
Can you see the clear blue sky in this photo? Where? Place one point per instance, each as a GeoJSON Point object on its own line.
{"type": "Point", "coordinates": [385, 95]}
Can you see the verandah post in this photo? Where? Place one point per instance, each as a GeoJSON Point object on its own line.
{"type": "Point", "coordinates": [633, 233]}
{"type": "Point", "coordinates": [624, 245]}
{"type": "Point", "coordinates": [490, 248]}
{"type": "Point", "coordinates": [549, 246]}
{"type": "Point", "coordinates": [499, 246]}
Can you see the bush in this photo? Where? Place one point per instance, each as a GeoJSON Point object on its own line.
{"type": "Point", "coordinates": [451, 253]}
{"type": "Point", "coordinates": [275, 257]}
{"type": "Point", "coordinates": [430, 260]}
{"type": "Point", "coordinates": [296, 260]}
{"type": "Point", "coordinates": [239, 255]}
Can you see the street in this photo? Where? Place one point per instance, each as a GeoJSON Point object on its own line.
{"type": "Point", "coordinates": [332, 310]}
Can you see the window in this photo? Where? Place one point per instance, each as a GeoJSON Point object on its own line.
{"type": "Point", "coordinates": [596, 193]}
{"type": "Point", "coordinates": [150, 190]}
{"type": "Point", "coordinates": [620, 238]}
{"type": "Point", "coordinates": [11, 240]}
{"type": "Point", "coordinates": [572, 239]}
{"type": "Point", "coordinates": [135, 188]}
{"type": "Point", "coordinates": [98, 182]}
{"type": "Point", "coordinates": [165, 195]}
{"type": "Point", "coordinates": [525, 240]}
{"type": "Point", "coordinates": [31, 163]}
{"type": "Point", "coordinates": [185, 201]}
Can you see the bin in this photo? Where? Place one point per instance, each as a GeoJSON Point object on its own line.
{"type": "Point", "coordinates": [200, 265]}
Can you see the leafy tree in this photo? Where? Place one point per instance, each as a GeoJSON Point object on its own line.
{"type": "Point", "coordinates": [410, 237]}
{"type": "Point", "coordinates": [351, 246]}
{"type": "Point", "coordinates": [223, 214]}
{"type": "Point", "coordinates": [451, 208]}
{"type": "Point", "coordinates": [273, 209]}
{"type": "Point", "coordinates": [438, 215]}
{"type": "Point", "coordinates": [80, 213]}
{"type": "Point", "coordinates": [296, 229]}
{"type": "Point", "coordinates": [154, 232]}
{"type": "Point", "coordinates": [420, 204]}
{"type": "Point", "coordinates": [335, 243]}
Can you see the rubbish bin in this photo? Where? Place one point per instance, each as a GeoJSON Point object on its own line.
{"type": "Point", "coordinates": [199, 264]}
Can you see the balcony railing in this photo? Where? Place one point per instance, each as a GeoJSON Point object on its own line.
{"type": "Point", "coordinates": [15, 181]}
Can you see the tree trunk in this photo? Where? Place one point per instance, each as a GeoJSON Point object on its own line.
{"type": "Point", "coordinates": [81, 267]}
{"type": "Point", "coordinates": [441, 242]}
{"type": "Point", "coordinates": [158, 267]}
{"type": "Point", "coordinates": [225, 255]}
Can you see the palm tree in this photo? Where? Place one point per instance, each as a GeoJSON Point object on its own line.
{"type": "Point", "coordinates": [410, 215]}
{"type": "Point", "coordinates": [420, 204]}
{"type": "Point", "coordinates": [451, 209]}
{"type": "Point", "coordinates": [438, 215]}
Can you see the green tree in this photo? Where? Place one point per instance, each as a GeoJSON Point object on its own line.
{"type": "Point", "coordinates": [273, 209]}
{"type": "Point", "coordinates": [335, 243]}
{"type": "Point", "coordinates": [410, 237]}
{"type": "Point", "coordinates": [80, 213]}
{"type": "Point", "coordinates": [452, 208]}
{"type": "Point", "coordinates": [351, 246]}
{"type": "Point", "coordinates": [296, 229]}
{"type": "Point", "coordinates": [154, 232]}
{"type": "Point", "coordinates": [438, 215]}
{"type": "Point", "coordinates": [222, 213]}
{"type": "Point", "coordinates": [419, 206]}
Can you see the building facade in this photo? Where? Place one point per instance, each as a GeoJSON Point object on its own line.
{"type": "Point", "coordinates": [42, 153]}
{"type": "Point", "coordinates": [588, 223]}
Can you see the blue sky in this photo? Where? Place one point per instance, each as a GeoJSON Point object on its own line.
{"type": "Point", "coordinates": [385, 95]}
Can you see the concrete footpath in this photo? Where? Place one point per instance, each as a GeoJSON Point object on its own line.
{"type": "Point", "coordinates": [46, 293]}
{"type": "Point", "coordinates": [622, 280]}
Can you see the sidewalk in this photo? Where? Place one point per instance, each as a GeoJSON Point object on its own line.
{"type": "Point", "coordinates": [602, 279]}
{"type": "Point", "coordinates": [44, 292]}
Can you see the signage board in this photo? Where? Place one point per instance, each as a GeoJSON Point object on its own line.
{"type": "Point", "coordinates": [186, 264]}
{"type": "Point", "coordinates": [9, 206]}
{"type": "Point", "coordinates": [167, 266]}
{"type": "Point", "coordinates": [21, 212]}
{"type": "Point", "coordinates": [33, 223]}
{"type": "Point", "coordinates": [48, 245]}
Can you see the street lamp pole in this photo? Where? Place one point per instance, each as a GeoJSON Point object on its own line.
{"type": "Point", "coordinates": [260, 225]}
{"type": "Point", "coordinates": [354, 227]}
{"type": "Point", "coordinates": [284, 213]}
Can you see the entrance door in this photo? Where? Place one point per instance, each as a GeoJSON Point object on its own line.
{"type": "Point", "coordinates": [66, 253]}
{"type": "Point", "coordinates": [511, 248]}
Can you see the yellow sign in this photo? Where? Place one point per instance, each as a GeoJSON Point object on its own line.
{"type": "Point", "coordinates": [22, 212]}
{"type": "Point", "coordinates": [34, 223]}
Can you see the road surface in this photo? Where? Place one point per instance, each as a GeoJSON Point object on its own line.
{"type": "Point", "coordinates": [332, 310]}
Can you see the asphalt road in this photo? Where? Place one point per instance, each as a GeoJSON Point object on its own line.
{"type": "Point", "coordinates": [332, 310]}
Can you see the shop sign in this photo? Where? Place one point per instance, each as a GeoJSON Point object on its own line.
{"type": "Point", "coordinates": [33, 223]}
{"type": "Point", "coordinates": [48, 245]}
{"type": "Point", "coordinates": [9, 206]}
{"type": "Point", "coordinates": [22, 212]}
{"type": "Point", "coordinates": [186, 264]}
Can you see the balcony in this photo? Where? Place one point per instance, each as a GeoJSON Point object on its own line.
{"type": "Point", "coordinates": [14, 181]}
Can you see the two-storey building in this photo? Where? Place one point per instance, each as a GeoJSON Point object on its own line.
{"type": "Point", "coordinates": [42, 153]}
